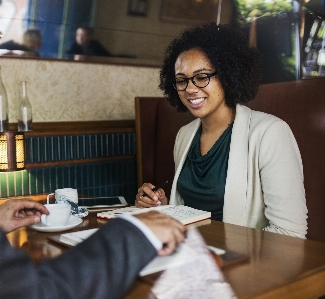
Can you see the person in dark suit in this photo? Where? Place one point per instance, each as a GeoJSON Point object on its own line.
{"type": "Point", "coordinates": [103, 266]}
{"type": "Point", "coordinates": [85, 45]}
{"type": "Point", "coordinates": [29, 46]}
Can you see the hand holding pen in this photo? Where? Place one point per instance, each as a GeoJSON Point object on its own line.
{"type": "Point", "coordinates": [150, 196]}
{"type": "Point", "coordinates": [154, 189]}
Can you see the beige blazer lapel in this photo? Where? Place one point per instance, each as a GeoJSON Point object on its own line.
{"type": "Point", "coordinates": [183, 146]}
{"type": "Point", "coordinates": [236, 192]}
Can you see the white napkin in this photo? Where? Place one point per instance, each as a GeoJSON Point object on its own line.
{"type": "Point", "coordinates": [198, 276]}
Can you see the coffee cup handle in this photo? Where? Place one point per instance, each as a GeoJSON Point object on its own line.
{"type": "Point", "coordinates": [48, 198]}
{"type": "Point", "coordinates": [43, 219]}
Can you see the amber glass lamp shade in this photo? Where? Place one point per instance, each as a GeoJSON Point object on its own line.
{"type": "Point", "coordinates": [12, 154]}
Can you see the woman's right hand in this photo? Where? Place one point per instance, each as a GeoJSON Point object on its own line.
{"type": "Point", "coordinates": [151, 199]}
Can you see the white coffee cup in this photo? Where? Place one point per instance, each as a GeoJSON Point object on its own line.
{"type": "Point", "coordinates": [59, 214]}
{"type": "Point", "coordinates": [68, 196]}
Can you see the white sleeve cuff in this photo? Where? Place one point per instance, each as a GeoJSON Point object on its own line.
{"type": "Point", "coordinates": [145, 230]}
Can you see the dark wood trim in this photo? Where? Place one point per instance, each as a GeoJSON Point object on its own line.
{"type": "Point", "coordinates": [76, 162]}
{"type": "Point", "coordinates": [78, 127]}
{"type": "Point", "coordinates": [138, 143]}
{"type": "Point", "coordinates": [70, 132]}
{"type": "Point", "coordinates": [95, 60]}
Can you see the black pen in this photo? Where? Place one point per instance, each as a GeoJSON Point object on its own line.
{"type": "Point", "coordinates": [154, 189]}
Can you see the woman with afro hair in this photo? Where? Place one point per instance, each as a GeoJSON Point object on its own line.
{"type": "Point", "coordinates": [243, 166]}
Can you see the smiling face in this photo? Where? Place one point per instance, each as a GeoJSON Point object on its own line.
{"type": "Point", "coordinates": [206, 102]}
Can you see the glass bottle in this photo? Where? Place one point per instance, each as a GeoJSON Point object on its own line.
{"type": "Point", "coordinates": [25, 117]}
{"type": "Point", "coordinates": [4, 123]}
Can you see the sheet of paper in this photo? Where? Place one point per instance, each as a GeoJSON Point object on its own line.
{"type": "Point", "coordinates": [77, 237]}
{"type": "Point", "coordinates": [197, 277]}
{"type": "Point", "coordinates": [161, 263]}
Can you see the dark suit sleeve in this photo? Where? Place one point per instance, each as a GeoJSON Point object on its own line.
{"type": "Point", "coordinates": [103, 266]}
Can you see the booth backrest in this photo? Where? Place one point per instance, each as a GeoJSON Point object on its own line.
{"type": "Point", "coordinates": [300, 103]}
{"type": "Point", "coordinates": [157, 124]}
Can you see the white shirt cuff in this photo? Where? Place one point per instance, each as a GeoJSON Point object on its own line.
{"type": "Point", "coordinates": [145, 230]}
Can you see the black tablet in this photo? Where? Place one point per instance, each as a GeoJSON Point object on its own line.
{"type": "Point", "coordinates": [102, 202]}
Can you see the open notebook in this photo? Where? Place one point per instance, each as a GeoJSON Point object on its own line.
{"type": "Point", "coordinates": [183, 214]}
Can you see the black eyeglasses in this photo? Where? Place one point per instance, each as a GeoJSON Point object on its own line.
{"type": "Point", "coordinates": [199, 80]}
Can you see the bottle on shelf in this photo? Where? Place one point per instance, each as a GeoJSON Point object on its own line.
{"type": "Point", "coordinates": [4, 123]}
{"type": "Point", "coordinates": [25, 116]}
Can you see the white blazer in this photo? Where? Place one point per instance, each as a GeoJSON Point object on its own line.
{"type": "Point", "coordinates": [264, 185]}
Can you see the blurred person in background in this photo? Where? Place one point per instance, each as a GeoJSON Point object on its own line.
{"type": "Point", "coordinates": [85, 45]}
{"type": "Point", "coordinates": [31, 42]}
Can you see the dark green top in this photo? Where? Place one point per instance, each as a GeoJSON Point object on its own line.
{"type": "Point", "coordinates": [202, 180]}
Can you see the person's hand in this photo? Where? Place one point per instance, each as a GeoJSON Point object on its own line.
{"type": "Point", "coordinates": [168, 230]}
{"type": "Point", "coordinates": [152, 199]}
{"type": "Point", "coordinates": [80, 57]}
{"type": "Point", "coordinates": [16, 213]}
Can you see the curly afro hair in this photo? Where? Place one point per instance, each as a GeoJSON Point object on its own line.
{"type": "Point", "coordinates": [237, 64]}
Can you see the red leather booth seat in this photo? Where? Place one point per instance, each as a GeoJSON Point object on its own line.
{"type": "Point", "coordinates": [300, 103]}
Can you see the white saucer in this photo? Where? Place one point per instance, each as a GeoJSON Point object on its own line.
{"type": "Point", "coordinates": [73, 222]}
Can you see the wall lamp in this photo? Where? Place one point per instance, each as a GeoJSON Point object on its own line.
{"type": "Point", "coordinates": [12, 153]}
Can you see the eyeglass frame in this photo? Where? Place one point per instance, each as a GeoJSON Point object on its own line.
{"type": "Point", "coordinates": [192, 80]}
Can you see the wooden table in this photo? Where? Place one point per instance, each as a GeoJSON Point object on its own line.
{"type": "Point", "coordinates": [279, 266]}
